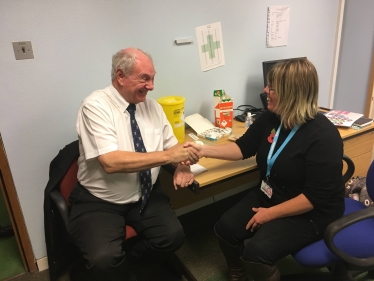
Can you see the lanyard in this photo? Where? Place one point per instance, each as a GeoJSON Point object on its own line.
{"type": "Point", "coordinates": [271, 158]}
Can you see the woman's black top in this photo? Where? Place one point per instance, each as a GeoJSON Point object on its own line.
{"type": "Point", "coordinates": [311, 163]}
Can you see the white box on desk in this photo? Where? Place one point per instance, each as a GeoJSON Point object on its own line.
{"type": "Point", "coordinates": [204, 128]}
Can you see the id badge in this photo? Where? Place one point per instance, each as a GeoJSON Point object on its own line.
{"type": "Point", "coordinates": [265, 187]}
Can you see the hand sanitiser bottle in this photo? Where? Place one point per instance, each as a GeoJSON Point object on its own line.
{"type": "Point", "coordinates": [248, 120]}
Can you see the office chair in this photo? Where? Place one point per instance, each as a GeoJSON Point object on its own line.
{"type": "Point", "coordinates": [347, 248]}
{"type": "Point", "coordinates": [59, 196]}
{"type": "Point", "coordinates": [62, 253]}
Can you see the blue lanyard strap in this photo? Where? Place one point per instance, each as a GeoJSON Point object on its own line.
{"type": "Point", "coordinates": [271, 158]}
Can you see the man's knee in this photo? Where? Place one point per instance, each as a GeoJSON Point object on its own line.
{"type": "Point", "coordinates": [174, 239]}
{"type": "Point", "coordinates": [177, 238]}
{"type": "Point", "coordinates": [104, 260]}
{"type": "Point", "coordinates": [170, 241]}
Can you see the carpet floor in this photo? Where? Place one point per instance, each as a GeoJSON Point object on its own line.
{"type": "Point", "coordinates": [200, 252]}
{"type": "Point", "coordinates": [10, 258]}
{"type": "Point", "coordinates": [202, 256]}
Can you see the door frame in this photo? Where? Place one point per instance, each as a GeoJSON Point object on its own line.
{"type": "Point", "coordinates": [15, 213]}
{"type": "Point", "coordinates": [369, 108]}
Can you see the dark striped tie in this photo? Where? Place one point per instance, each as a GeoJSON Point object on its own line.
{"type": "Point", "coordinates": [145, 175]}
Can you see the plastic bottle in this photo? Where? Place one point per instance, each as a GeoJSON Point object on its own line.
{"type": "Point", "coordinates": [248, 120]}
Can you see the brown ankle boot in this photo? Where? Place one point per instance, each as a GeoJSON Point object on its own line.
{"type": "Point", "coordinates": [262, 272]}
{"type": "Point", "coordinates": [237, 270]}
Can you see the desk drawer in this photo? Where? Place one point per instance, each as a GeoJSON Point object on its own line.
{"type": "Point", "coordinates": [362, 164]}
{"type": "Point", "coordinates": [359, 145]}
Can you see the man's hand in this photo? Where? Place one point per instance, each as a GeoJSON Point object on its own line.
{"type": "Point", "coordinates": [180, 154]}
{"type": "Point", "coordinates": [183, 176]}
{"type": "Point", "coordinates": [197, 148]}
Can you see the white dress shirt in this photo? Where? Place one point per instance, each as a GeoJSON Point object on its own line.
{"type": "Point", "coordinates": [103, 126]}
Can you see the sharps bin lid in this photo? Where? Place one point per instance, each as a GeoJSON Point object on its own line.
{"type": "Point", "coordinates": [171, 100]}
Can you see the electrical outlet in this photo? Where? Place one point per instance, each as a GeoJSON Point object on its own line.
{"type": "Point", "coordinates": [23, 50]}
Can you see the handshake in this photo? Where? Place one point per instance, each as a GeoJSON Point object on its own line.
{"type": "Point", "coordinates": [186, 155]}
{"type": "Point", "coordinates": [189, 153]}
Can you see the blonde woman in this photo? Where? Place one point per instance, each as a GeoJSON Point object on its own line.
{"type": "Point", "coordinates": [299, 155]}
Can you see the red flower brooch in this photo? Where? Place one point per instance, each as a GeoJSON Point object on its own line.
{"type": "Point", "coordinates": [271, 136]}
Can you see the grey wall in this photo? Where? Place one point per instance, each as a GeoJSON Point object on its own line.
{"type": "Point", "coordinates": [356, 50]}
{"type": "Point", "coordinates": [73, 42]}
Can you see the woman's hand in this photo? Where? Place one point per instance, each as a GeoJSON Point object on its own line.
{"type": "Point", "coordinates": [295, 206]}
{"type": "Point", "coordinates": [263, 215]}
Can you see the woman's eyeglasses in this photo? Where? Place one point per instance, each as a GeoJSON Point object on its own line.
{"type": "Point", "coordinates": [270, 88]}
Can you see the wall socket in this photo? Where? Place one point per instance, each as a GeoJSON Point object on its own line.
{"type": "Point", "coordinates": [23, 50]}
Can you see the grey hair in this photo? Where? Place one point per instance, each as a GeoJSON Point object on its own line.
{"type": "Point", "coordinates": [125, 60]}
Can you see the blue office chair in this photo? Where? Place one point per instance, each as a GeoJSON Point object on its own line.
{"type": "Point", "coordinates": [347, 248]}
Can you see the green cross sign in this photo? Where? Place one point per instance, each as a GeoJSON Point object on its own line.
{"type": "Point", "coordinates": [210, 46]}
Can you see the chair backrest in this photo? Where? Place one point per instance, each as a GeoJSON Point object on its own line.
{"type": "Point", "coordinates": [69, 181]}
{"type": "Point", "coordinates": [67, 184]}
{"type": "Point", "coordinates": [370, 181]}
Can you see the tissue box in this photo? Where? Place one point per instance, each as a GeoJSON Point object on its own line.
{"type": "Point", "coordinates": [223, 109]}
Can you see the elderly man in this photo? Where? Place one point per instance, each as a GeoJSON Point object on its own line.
{"type": "Point", "coordinates": [124, 138]}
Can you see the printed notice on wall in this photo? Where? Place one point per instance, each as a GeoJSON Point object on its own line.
{"type": "Point", "coordinates": [210, 44]}
{"type": "Point", "coordinates": [278, 25]}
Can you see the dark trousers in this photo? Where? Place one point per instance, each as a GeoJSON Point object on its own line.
{"type": "Point", "coordinates": [273, 240]}
{"type": "Point", "coordinates": [97, 228]}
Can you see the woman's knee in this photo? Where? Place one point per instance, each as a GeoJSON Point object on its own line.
{"type": "Point", "coordinates": [225, 230]}
{"type": "Point", "coordinates": [257, 253]}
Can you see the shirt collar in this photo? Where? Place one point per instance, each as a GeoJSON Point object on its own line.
{"type": "Point", "coordinates": [121, 103]}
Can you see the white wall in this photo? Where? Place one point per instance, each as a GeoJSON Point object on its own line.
{"type": "Point", "coordinates": [73, 42]}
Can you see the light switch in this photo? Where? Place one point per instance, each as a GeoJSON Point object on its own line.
{"type": "Point", "coordinates": [23, 50]}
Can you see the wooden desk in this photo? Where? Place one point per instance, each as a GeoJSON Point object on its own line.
{"type": "Point", "coordinates": [219, 170]}
{"type": "Point", "coordinates": [358, 145]}
{"type": "Point", "coordinates": [225, 175]}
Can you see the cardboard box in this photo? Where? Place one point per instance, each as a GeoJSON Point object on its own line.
{"type": "Point", "coordinates": [223, 109]}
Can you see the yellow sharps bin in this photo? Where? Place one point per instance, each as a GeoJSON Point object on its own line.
{"type": "Point", "coordinates": [174, 109]}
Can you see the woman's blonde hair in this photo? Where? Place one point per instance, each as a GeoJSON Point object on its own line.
{"type": "Point", "coordinates": [295, 81]}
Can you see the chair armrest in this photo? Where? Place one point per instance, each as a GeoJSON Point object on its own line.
{"type": "Point", "coordinates": [194, 187]}
{"type": "Point", "coordinates": [341, 223]}
{"type": "Point", "coordinates": [350, 168]}
{"type": "Point", "coordinates": [61, 205]}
